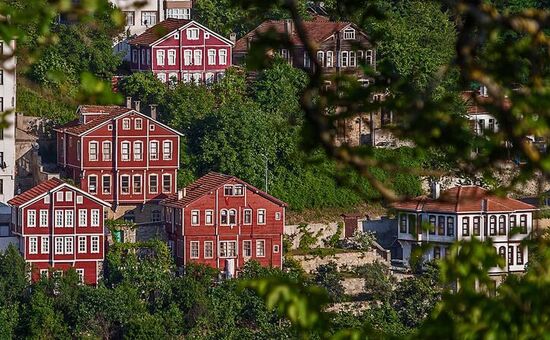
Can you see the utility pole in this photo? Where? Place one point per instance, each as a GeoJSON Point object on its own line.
{"type": "Point", "coordinates": [266, 169]}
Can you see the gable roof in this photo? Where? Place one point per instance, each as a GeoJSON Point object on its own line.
{"type": "Point", "coordinates": [207, 184]}
{"type": "Point", "coordinates": [45, 187]}
{"type": "Point", "coordinates": [464, 199]}
{"type": "Point", "coordinates": [167, 27]}
{"type": "Point", "coordinates": [108, 113]}
{"type": "Point", "coordinates": [318, 30]}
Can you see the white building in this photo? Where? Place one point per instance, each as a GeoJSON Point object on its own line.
{"type": "Point", "coordinates": [480, 119]}
{"type": "Point", "coordinates": [7, 134]}
{"type": "Point", "coordinates": [462, 213]}
{"type": "Point", "coordinates": [148, 14]}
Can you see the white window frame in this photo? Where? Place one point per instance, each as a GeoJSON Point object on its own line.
{"type": "Point", "coordinates": [154, 145]}
{"type": "Point", "coordinates": [197, 57]}
{"type": "Point", "coordinates": [31, 218]}
{"type": "Point", "coordinates": [80, 273]}
{"type": "Point", "coordinates": [278, 216]}
{"type": "Point", "coordinates": [134, 186]}
{"type": "Point", "coordinates": [129, 179]}
{"type": "Point", "coordinates": [82, 246]}
{"type": "Point", "coordinates": [106, 146]}
{"type": "Point", "coordinates": [92, 189]}
{"type": "Point", "coordinates": [258, 248]}
{"type": "Point", "coordinates": [166, 176]}
{"type": "Point", "coordinates": [247, 215]}
{"type": "Point", "coordinates": [69, 219]}
{"type": "Point", "coordinates": [59, 245]}
{"type": "Point", "coordinates": [82, 217]}
{"type": "Point", "coordinates": [45, 245]}
{"type": "Point", "coordinates": [103, 187]}
{"type": "Point", "coordinates": [160, 55]}
{"type": "Point", "coordinates": [69, 245]}
{"type": "Point", "coordinates": [209, 217]}
{"type": "Point", "coordinates": [59, 218]}
{"type": "Point", "coordinates": [59, 196]}
{"type": "Point", "coordinates": [192, 34]}
{"type": "Point", "coordinates": [125, 146]}
{"type": "Point", "coordinates": [224, 246]}
{"type": "Point", "coordinates": [261, 212]}
{"type": "Point", "coordinates": [171, 57]}
{"type": "Point", "coordinates": [349, 34]}
{"type": "Point", "coordinates": [95, 216]}
{"type": "Point", "coordinates": [247, 252]}
{"type": "Point", "coordinates": [167, 155]}
{"type": "Point", "coordinates": [187, 57]}
{"type": "Point", "coordinates": [138, 124]}
{"type": "Point", "coordinates": [321, 58]}
{"type": "Point", "coordinates": [198, 249]}
{"type": "Point", "coordinates": [307, 60]}
{"type": "Point", "coordinates": [94, 247]}
{"type": "Point", "coordinates": [138, 151]}
{"type": "Point", "coordinates": [195, 217]}
{"type": "Point", "coordinates": [330, 59]}
{"type": "Point", "coordinates": [222, 57]}
{"type": "Point", "coordinates": [68, 196]}
{"type": "Point", "coordinates": [208, 244]}
{"type": "Point", "coordinates": [232, 218]}
{"type": "Point", "coordinates": [126, 124]}
{"type": "Point", "coordinates": [44, 214]}
{"type": "Point", "coordinates": [156, 186]}
{"type": "Point", "coordinates": [211, 57]}
{"type": "Point", "coordinates": [33, 245]}
{"type": "Point", "coordinates": [344, 58]}
{"type": "Point", "coordinates": [93, 151]}
{"type": "Point", "coordinates": [352, 59]}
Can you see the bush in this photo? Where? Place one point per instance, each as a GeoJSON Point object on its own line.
{"type": "Point", "coordinates": [328, 277]}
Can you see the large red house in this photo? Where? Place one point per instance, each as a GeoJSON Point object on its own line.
{"type": "Point", "coordinates": [60, 226]}
{"type": "Point", "coordinates": [222, 221]}
{"type": "Point", "coordinates": [120, 155]}
{"type": "Point", "coordinates": [181, 50]}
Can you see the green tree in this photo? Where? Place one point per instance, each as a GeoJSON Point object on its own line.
{"type": "Point", "coordinates": [379, 283]}
{"type": "Point", "coordinates": [328, 277]}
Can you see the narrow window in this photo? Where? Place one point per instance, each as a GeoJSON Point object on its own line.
{"type": "Point", "coordinates": [224, 217]}
{"type": "Point", "coordinates": [247, 248]}
{"type": "Point", "coordinates": [493, 226]}
{"type": "Point", "coordinates": [465, 226]}
{"type": "Point", "coordinates": [166, 183]}
{"type": "Point", "coordinates": [106, 184]}
{"type": "Point", "coordinates": [93, 152]}
{"type": "Point", "coordinates": [510, 256]}
{"type": "Point", "coordinates": [33, 245]}
{"type": "Point", "coordinates": [167, 150]}
{"type": "Point", "coordinates": [260, 248]}
{"type": "Point", "coordinates": [432, 220]}
{"type": "Point", "coordinates": [82, 218]}
{"type": "Point", "coordinates": [106, 151]}
{"type": "Point", "coordinates": [68, 245]}
{"type": "Point", "coordinates": [232, 217]}
{"type": "Point", "coordinates": [154, 151]}
{"type": "Point", "coordinates": [125, 151]}
{"type": "Point", "coordinates": [197, 57]}
{"type": "Point", "coordinates": [125, 184]}
{"type": "Point", "coordinates": [92, 184]}
{"type": "Point", "coordinates": [194, 250]}
{"type": "Point", "coordinates": [261, 216]}
{"type": "Point", "coordinates": [223, 57]}
{"type": "Point", "coordinates": [209, 217]}
{"type": "Point", "coordinates": [211, 57]}
{"type": "Point", "coordinates": [59, 218]}
{"type": "Point", "coordinates": [45, 245]}
{"type": "Point", "coordinates": [43, 218]}
{"type": "Point", "coordinates": [195, 217]}
{"type": "Point", "coordinates": [519, 254]}
{"type": "Point", "coordinates": [321, 58]}
{"type": "Point", "coordinates": [477, 228]}
{"type": "Point", "coordinates": [59, 245]}
{"type": "Point", "coordinates": [441, 225]}
{"type": "Point", "coordinates": [330, 59]}
{"type": "Point", "coordinates": [31, 218]}
{"type": "Point", "coordinates": [437, 253]}
{"type": "Point", "coordinates": [403, 223]}
{"type": "Point", "coordinates": [160, 57]}
{"type": "Point", "coordinates": [523, 223]}
{"type": "Point", "coordinates": [208, 249]}
{"type": "Point", "coordinates": [136, 185]}
{"type": "Point", "coordinates": [126, 124]}
{"type": "Point", "coordinates": [95, 244]}
{"type": "Point", "coordinates": [247, 218]}
{"type": "Point", "coordinates": [153, 184]}
{"type": "Point", "coordinates": [95, 218]}
{"type": "Point", "coordinates": [450, 226]}
{"type": "Point", "coordinates": [502, 252]}
{"type": "Point", "coordinates": [502, 225]}
{"type": "Point", "coordinates": [171, 57]}
{"type": "Point", "coordinates": [68, 218]}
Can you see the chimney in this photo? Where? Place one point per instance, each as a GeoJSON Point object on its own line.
{"type": "Point", "coordinates": [128, 102]}
{"type": "Point", "coordinates": [137, 105]}
{"type": "Point", "coordinates": [436, 189]}
{"type": "Point", "coordinates": [233, 37]}
{"type": "Point", "coordinates": [289, 27]}
{"type": "Point", "coordinates": [181, 193]}
{"type": "Point", "coordinates": [153, 108]}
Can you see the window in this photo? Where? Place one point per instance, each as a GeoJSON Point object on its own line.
{"type": "Point", "coordinates": [136, 185]}
{"type": "Point", "coordinates": [247, 248]}
{"type": "Point", "coordinates": [59, 218]}
{"type": "Point", "coordinates": [68, 218]}
{"type": "Point", "coordinates": [502, 252]}
{"type": "Point", "coordinates": [513, 222]}
{"type": "Point", "coordinates": [477, 226]}
{"type": "Point", "coordinates": [232, 217]}
{"type": "Point", "coordinates": [187, 57]}
{"type": "Point", "coordinates": [437, 253]}
{"type": "Point", "coordinates": [195, 217]}
{"type": "Point", "coordinates": [307, 61]}
{"type": "Point", "coordinates": [196, 77]}
{"type": "Point", "coordinates": [1, 77]}
{"type": "Point", "coordinates": [148, 18]}
{"type": "Point", "coordinates": [224, 217]}
{"type": "Point", "coordinates": [412, 224]}
{"type": "Point", "coordinates": [138, 151]}
{"type": "Point", "coordinates": [510, 256]}
{"type": "Point", "coordinates": [31, 218]}
{"type": "Point", "coordinates": [80, 273]}
{"type": "Point", "coordinates": [208, 249]}
{"type": "Point", "coordinates": [171, 57]}
{"type": "Point", "coordinates": [178, 13]}
{"type": "Point", "coordinates": [138, 124]}
{"type": "Point", "coordinates": [59, 196]}
{"type": "Point", "coordinates": [43, 273]}
{"type": "Point", "coordinates": [95, 218]}
{"type": "Point", "coordinates": [321, 58]}
{"type": "Point", "coordinates": [228, 249]}
{"type": "Point", "coordinates": [95, 244]}
{"type": "Point", "coordinates": [68, 196]}
{"type": "Point", "coordinates": [45, 245]}
{"type": "Point", "coordinates": [491, 125]}
{"type": "Point", "coordinates": [211, 57]}
{"type": "Point", "coordinates": [106, 151]}
{"type": "Point", "coordinates": [68, 245]}
{"type": "Point", "coordinates": [125, 184]}
{"type": "Point", "coordinates": [247, 218]}
{"type": "Point", "coordinates": [276, 248]}
{"type": "Point", "coordinates": [238, 190]}
{"type": "Point", "coordinates": [130, 18]}
{"type": "Point", "coordinates": [106, 184]}
{"type": "Point", "coordinates": [344, 59]}
{"type": "Point", "coordinates": [154, 150]}
{"type": "Point", "coordinates": [349, 34]}
{"type": "Point", "coordinates": [153, 184]}
{"type": "Point", "coordinates": [43, 218]}
{"type": "Point", "coordinates": [82, 218]}
{"type": "Point", "coordinates": [441, 225]}
{"type": "Point", "coordinates": [47, 199]}
{"type": "Point", "coordinates": [450, 226]}
{"type": "Point", "coordinates": [194, 254]}
{"type": "Point", "coordinates": [160, 57]}
{"type": "Point", "coordinates": [403, 223]}
{"type": "Point", "coordinates": [260, 248]}
{"type": "Point", "coordinates": [126, 124]}
{"type": "Point", "coordinates": [33, 245]}
{"type": "Point", "coordinates": [206, 35]}
{"type": "Point", "coordinates": [135, 56]}
{"type": "Point", "coordinates": [167, 150]}
{"type": "Point", "coordinates": [465, 226]}
{"type": "Point", "coordinates": [519, 255]}
{"type": "Point", "coordinates": [59, 245]}
{"type": "Point", "coordinates": [228, 190]}
{"type": "Point", "coordinates": [352, 59]}
{"type": "Point", "coordinates": [193, 34]}
{"type": "Point", "coordinates": [523, 223]}
{"type": "Point", "coordinates": [432, 219]}
{"type": "Point", "coordinates": [285, 54]}
{"type": "Point", "coordinates": [209, 217]}
{"type": "Point", "coordinates": [369, 57]}
{"type": "Point", "coordinates": [197, 57]}
{"type": "Point", "coordinates": [261, 216]}
{"type": "Point", "coordinates": [277, 216]}
{"type": "Point", "coordinates": [502, 225]}
{"type": "Point", "coordinates": [493, 226]}
{"type": "Point", "coordinates": [222, 59]}
{"type": "Point", "coordinates": [92, 151]}
{"type": "Point", "coordinates": [330, 59]}
{"type": "Point", "coordinates": [209, 78]}
{"type": "Point", "coordinates": [125, 150]}
{"type": "Point", "coordinates": [162, 77]}
{"type": "Point", "coordinates": [166, 183]}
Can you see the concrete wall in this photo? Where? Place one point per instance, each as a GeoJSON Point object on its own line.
{"type": "Point", "coordinates": [342, 260]}
{"type": "Point", "coordinates": [323, 230]}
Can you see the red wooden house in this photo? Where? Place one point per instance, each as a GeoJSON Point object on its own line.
{"type": "Point", "coordinates": [120, 155]}
{"type": "Point", "coordinates": [181, 50]}
{"type": "Point", "coordinates": [60, 226]}
{"type": "Point", "coordinates": [222, 221]}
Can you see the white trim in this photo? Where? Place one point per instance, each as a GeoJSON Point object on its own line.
{"type": "Point", "coordinates": [168, 35]}
{"type": "Point", "coordinates": [98, 200]}
{"type": "Point", "coordinates": [198, 244]}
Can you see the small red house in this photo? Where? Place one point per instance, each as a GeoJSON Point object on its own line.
{"type": "Point", "coordinates": [181, 50]}
{"type": "Point", "coordinates": [222, 221]}
{"type": "Point", "coordinates": [60, 226]}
